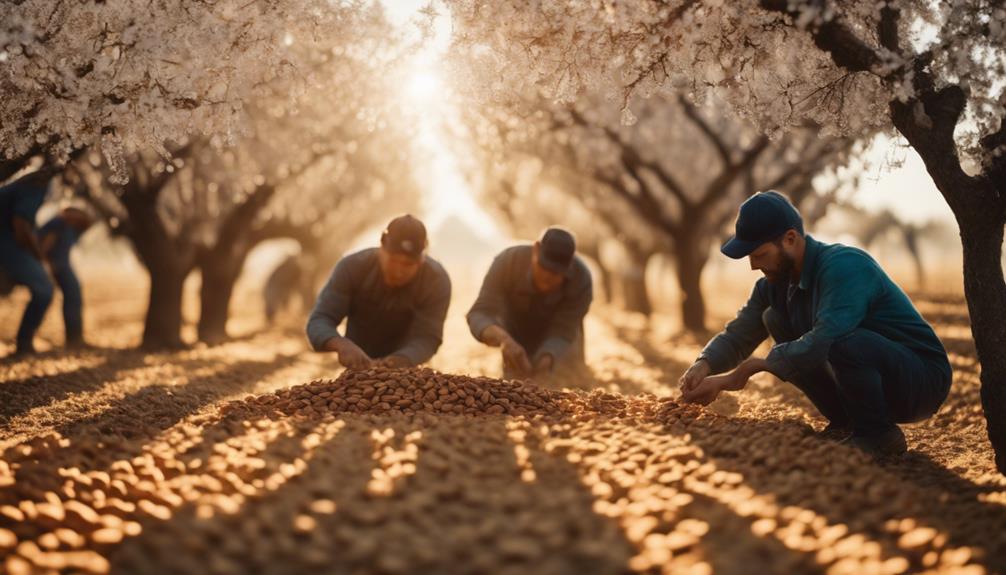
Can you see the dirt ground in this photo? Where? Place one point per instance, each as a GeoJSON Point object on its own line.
{"type": "Point", "coordinates": [221, 460]}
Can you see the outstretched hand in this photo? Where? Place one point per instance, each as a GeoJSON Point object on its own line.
{"type": "Point", "coordinates": [394, 361]}
{"type": "Point", "coordinates": [543, 367]}
{"type": "Point", "coordinates": [515, 356]}
{"type": "Point", "coordinates": [694, 376]}
{"type": "Point", "coordinates": [707, 390]}
{"type": "Point", "coordinates": [351, 356]}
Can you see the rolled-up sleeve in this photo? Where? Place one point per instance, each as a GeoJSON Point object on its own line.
{"type": "Point", "coordinates": [847, 287]}
{"type": "Point", "coordinates": [331, 307]}
{"type": "Point", "coordinates": [426, 332]}
{"type": "Point", "coordinates": [568, 320]}
{"type": "Point", "coordinates": [488, 307]}
{"type": "Point", "coordinates": [741, 336]}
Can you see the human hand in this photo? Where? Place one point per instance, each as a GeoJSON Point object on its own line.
{"type": "Point", "coordinates": [395, 361]}
{"type": "Point", "coordinates": [515, 356]}
{"type": "Point", "coordinates": [543, 367]}
{"type": "Point", "coordinates": [694, 375]}
{"type": "Point", "coordinates": [351, 356]}
{"type": "Point", "coordinates": [710, 387]}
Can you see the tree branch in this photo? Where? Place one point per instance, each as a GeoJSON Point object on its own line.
{"type": "Point", "coordinates": [720, 186]}
{"type": "Point", "coordinates": [633, 160]}
{"type": "Point", "coordinates": [706, 129]}
{"type": "Point", "coordinates": [832, 35]}
{"type": "Point", "coordinates": [887, 29]}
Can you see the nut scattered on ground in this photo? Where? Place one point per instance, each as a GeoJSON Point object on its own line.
{"type": "Point", "coordinates": [205, 460]}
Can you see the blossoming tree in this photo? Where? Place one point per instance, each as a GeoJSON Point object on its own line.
{"type": "Point", "coordinates": [933, 72]}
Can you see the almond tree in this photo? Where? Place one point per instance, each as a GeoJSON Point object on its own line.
{"type": "Point", "coordinates": [933, 72]}
{"type": "Point", "coordinates": [680, 168]}
{"type": "Point", "coordinates": [310, 143]}
{"type": "Point", "coordinates": [132, 75]}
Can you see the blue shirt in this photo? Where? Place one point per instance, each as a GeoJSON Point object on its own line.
{"type": "Point", "coordinates": [543, 323]}
{"type": "Point", "coordinates": [22, 200]}
{"type": "Point", "coordinates": [407, 321]}
{"type": "Point", "coordinates": [66, 238]}
{"type": "Point", "coordinates": [841, 289]}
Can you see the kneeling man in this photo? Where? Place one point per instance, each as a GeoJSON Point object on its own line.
{"type": "Point", "coordinates": [395, 298]}
{"type": "Point", "coordinates": [532, 304]}
{"type": "Point", "coordinates": [844, 333]}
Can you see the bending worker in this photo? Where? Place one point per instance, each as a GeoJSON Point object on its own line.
{"type": "Point", "coordinates": [394, 298]}
{"type": "Point", "coordinates": [56, 238]}
{"type": "Point", "coordinates": [844, 333]}
{"type": "Point", "coordinates": [532, 304]}
{"type": "Point", "coordinates": [20, 255]}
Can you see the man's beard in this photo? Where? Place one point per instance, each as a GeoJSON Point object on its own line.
{"type": "Point", "coordinates": [785, 269]}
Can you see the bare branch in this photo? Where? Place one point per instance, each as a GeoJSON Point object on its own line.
{"type": "Point", "coordinates": [706, 130]}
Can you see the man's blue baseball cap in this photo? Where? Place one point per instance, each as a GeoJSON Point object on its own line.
{"type": "Point", "coordinates": [763, 217]}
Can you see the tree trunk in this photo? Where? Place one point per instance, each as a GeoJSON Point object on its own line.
{"type": "Point", "coordinates": [985, 290]}
{"type": "Point", "coordinates": [634, 292]}
{"type": "Point", "coordinates": [979, 206]}
{"type": "Point", "coordinates": [219, 278]}
{"type": "Point", "coordinates": [607, 282]}
{"type": "Point", "coordinates": [912, 244]}
{"type": "Point", "coordinates": [163, 324]}
{"type": "Point", "coordinates": [690, 263]}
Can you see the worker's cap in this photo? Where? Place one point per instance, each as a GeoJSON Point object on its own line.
{"type": "Point", "coordinates": [556, 249]}
{"type": "Point", "coordinates": [762, 218]}
{"type": "Point", "coordinates": [405, 235]}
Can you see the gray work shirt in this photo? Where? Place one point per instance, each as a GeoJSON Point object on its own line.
{"type": "Point", "coordinates": [407, 321]}
{"type": "Point", "coordinates": [544, 323]}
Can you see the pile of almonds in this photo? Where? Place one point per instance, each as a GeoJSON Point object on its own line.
{"type": "Point", "coordinates": [409, 391]}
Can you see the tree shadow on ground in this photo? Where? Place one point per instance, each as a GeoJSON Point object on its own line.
{"type": "Point", "coordinates": [470, 503]}
{"type": "Point", "coordinates": [22, 395]}
{"type": "Point", "coordinates": [123, 431]}
{"type": "Point", "coordinates": [461, 506]}
{"type": "Point", "coordinates": [785, 460]}
{"type": "Point", "coordinates": [670, 368]}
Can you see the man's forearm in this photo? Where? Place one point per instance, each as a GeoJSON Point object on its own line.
{"type": "Point", "coordinates": [333, 343]}
{"type": "Point", "coordinates": [752, 366]}
{"type": "Point", "coordinates": [48, 242]}
{"type": "Point", "coordinates": [494, 335]}
{"type": "Point", "coordinates": [321, 328]}
{"type": "Point", "coordinates": [25, 238]}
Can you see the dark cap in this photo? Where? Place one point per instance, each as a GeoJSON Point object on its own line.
{"type": "Point", "coordinates": [405, 235]}
{"type": "Point", "coordinates": [556, 250]}
{"type": "Point", "coordinates": [763, 217]}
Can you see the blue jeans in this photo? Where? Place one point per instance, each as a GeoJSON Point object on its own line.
{"type": "Point", "coordinates": [24, 269]}
{"type": "Point", "coordinates": [869, 383]}
{"type": "Point", "coordinates": [72, 301]}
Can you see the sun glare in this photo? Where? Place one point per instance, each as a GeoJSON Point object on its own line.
{"type": "Point", "coordinates": [424, 84]}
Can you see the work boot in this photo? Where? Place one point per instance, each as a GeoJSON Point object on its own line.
{"type": "Point", "coordinates": [835, 432]}
{"type": "Point", "coordinates": [78, 344]}
{"type": "Point", "coordinates": [24, 349]}
{"type": "Point", "coordinates": [883, 444]}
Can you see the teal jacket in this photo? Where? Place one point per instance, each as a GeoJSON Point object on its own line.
{"type": "Point", "coordinates": [841, 289]}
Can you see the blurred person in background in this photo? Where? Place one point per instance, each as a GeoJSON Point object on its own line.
{"type": "Point", "coordinates": [21, 257]}
{"type": "Point", "coordinates": [56, 239]}
{"type": "Point", "coordinates": [291, 280]}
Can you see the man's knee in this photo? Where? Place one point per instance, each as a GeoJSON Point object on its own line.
{"type": "Point", "coordinates": [856, 348]}
{"type": "Point", "coordinates": [777, 325]}
{"type": "Point", "coordinates": [41, 290]}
